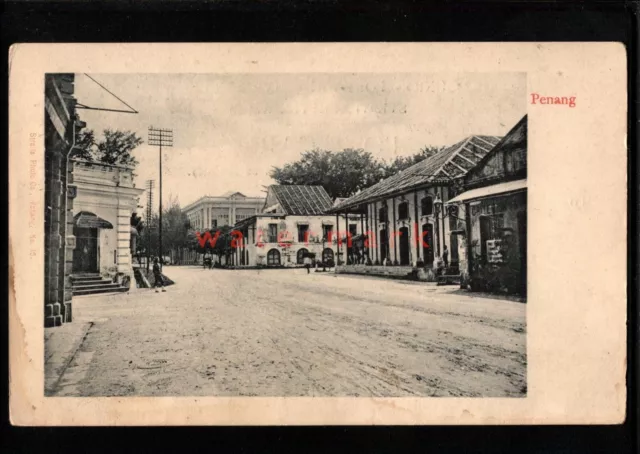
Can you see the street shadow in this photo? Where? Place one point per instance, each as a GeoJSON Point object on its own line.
{"type": "Point", "coordinates": [493, 296]}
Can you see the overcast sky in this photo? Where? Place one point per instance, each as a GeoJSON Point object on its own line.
{"type": "Point", "coordinates": [229, 130]}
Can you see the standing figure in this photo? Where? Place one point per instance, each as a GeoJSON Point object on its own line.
{"type": "Point", "coordinates": [157, 276]}
{"type": "Point", "coordinates": [445, 256]}
{"type": "Point", "coordinates": [307, 263]}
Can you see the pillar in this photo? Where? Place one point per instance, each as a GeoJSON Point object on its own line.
{"type": "Point", "coordinates": [54, 287]}
{"type": "Point", "coordinates": [375, 230]}
{"type": "Point", "coordinates": [123, 255]}
{"type": "Point", "coordinates": [70, 245]}
{"type": "Point", "coordinates": [395, 233]}
{"type": "Point", "coordinates": [369, 239]}
{"type": "Point", "coordinates": [415, 231]}
{"type": "Point", "coordinates": [337, 240]}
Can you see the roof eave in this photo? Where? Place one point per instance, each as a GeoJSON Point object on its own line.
{"type": "Point", "coordinates": [387, 195]}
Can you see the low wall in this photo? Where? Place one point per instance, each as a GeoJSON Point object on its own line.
{"type": "Point", "coordinates": [398, 272]}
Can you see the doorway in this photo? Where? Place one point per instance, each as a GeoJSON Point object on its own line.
{"type": "Point", "coordinates": [86, 254]}
{"type": "Point", "coordinates": [485, 235]}
{"type": "Point", "coordinates": [522, 243]}
{"type": "Point", "coordinates": [404, 246]}
{"type": "Point", "coordinates": [427, 244]}
{"type": "Point", "coordinates": [383, 245]}
{"type": "Point", "coordinates": [273, 257]}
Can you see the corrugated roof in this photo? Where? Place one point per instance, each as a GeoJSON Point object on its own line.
{"type": "Point", "coordinates": [302, 200]}
{"type": "Point", "coordinates": [452, 162]}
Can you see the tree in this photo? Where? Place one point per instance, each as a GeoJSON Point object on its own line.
{"type": "Point", "coordinates": [114, 148]}
{"type": "Point", "coordinates": [175, 229]}
{"type": "Point", "coordinates": [403, 162]}
{"type": "Point", "coordinates": [345, 172]}
{"type": "Point", "coordinates": [341, 173]}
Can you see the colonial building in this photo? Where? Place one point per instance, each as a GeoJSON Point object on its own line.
{"type": "Point", "coordinates": [106, 197]}
{"type": "Point", "coordinates": [293, 224]}
{"type": "Point", "coordinates": [494, 204]}
{"type": "Point", "coordinates": [228, 209]}
{"type": "Point", "coordinates": [61, 125]}
{"type": "Point", "coordinates": [404, 216]}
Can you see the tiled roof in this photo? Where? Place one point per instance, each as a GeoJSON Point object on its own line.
{"type": "Point", "coordinates": [302, 200]}
{"type": "Point", "coordinates": [452, 162]}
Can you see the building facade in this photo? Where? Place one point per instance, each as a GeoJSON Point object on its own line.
{"type": "Point", "coordinates": [61, 127]}
{"type": "Point", "coordinates": [292, 225]}
{"type": "Point", "coordinates": [106, 197]}
{"type": "Point", "coordinates": [494, 205]}
{"type": "Point", "coordinates": [228, 209]}
{"type": "Point", "coordinates": [405, 218]}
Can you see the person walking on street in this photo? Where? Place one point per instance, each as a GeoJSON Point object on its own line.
{"type": "Point", "coordinates": [157, 276]}
{"type": "Point", "coordinates": [445, 256]}
{"type": "Point", "coordinates": [307, 263]}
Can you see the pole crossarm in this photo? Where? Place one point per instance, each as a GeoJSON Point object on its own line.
{"type": "Point", "coordinates": [160, 137]}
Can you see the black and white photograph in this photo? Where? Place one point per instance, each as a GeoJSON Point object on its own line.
{"type": "Point", "coordinates": [286, 235]}
{"type": "Point", "coordinates": [317, 234]}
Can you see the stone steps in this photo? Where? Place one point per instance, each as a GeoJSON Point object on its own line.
{"type": "Point", "coordinates": [90, 284]}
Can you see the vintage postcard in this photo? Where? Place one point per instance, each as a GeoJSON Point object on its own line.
{"type": "Point", "coordinates": [318, 234]}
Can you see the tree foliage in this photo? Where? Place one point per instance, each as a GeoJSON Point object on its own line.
{"type": "Point", "coordinates": [175, 230]}
{"type": "Point", "coordinates": [403, 162]}
{"type": "Point", "coordinates": [345, 172]}
{"type": "Point", "coordinates": [115, 147]}
{"type": "Point", "coordinates": [340, 173]}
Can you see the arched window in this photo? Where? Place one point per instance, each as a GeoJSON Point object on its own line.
{"type": "Point", "coordinates": [427, 206]}
{"type": "Point", "coordinates": [327, 255]}
{"type": "Point", "coordinates": [382, 214]}
{"type": "Point", "coordinates": [403, 211]}
{"type": "Point", "coordinates": [302, 253]}
{"type": "Point", "coordinates": [273, 257]}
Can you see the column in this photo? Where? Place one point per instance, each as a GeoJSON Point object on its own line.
{"type": "Point", "coordinates": [369, 239]}
{"type": "Point", "coordinates": [123, 235]}
{"type": "Point", "coordinates": [54, 294]}
{"type": "Point", "coordinates": [395, 233]}
{"type": "Point", "coordinates": [70, 244]}
{"type": "Point", "coordinates": [347, 248]}
{"type": "Point", "coordinates": [337, 240]}
{"type": "Point", "coordinates": [415, 230]}
{"type": "Point", "coordinates": [375, 230]}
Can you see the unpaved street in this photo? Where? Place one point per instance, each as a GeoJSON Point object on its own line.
{"type": "Point", "coordinates": [286, 333]}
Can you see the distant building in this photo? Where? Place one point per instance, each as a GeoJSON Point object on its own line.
{"type": "Point", "coordinates": [494, 247]}
{"type": "Point", "coordinates": [404, 214]}
{"type": "Point", "coordinates": [227, 209]}
{"type": "Point", "coordinates": [293, 224]}
{"type": "Point", "coordinates": [105, 199]}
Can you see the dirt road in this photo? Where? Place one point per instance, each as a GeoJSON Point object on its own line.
{"type": "Point", "coordinates": [286, 333]}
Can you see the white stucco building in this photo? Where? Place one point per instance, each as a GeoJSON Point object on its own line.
{"type": "Point", "coordinates": [104, 201]}
{"type": "Point", "coordinates": [210, 212]}
{"type": "Point", "coordinates": [294, 223]}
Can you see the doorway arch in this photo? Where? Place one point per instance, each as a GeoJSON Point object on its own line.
{"type": "Point", "coordinates": [404, 246]}
{"type": "Point", "coordinates": [302, 253]}
{"type": "Point", "coordinates": [327, 255]}
{"type": "Point", "coordinates": [273, 257]}
{"type": "Point", "coordinates": [427, 244]}
{"type": "Point", "coordinates": [86, 229]}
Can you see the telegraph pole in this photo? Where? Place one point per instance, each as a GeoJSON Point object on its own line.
{"type": "Point", "coordinates": [161, 138]}
{"type": "Point", "coordinates": [149, 186]}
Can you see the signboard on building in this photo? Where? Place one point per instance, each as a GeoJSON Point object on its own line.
{"type": "Point", "coordinates": [495, 254]}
